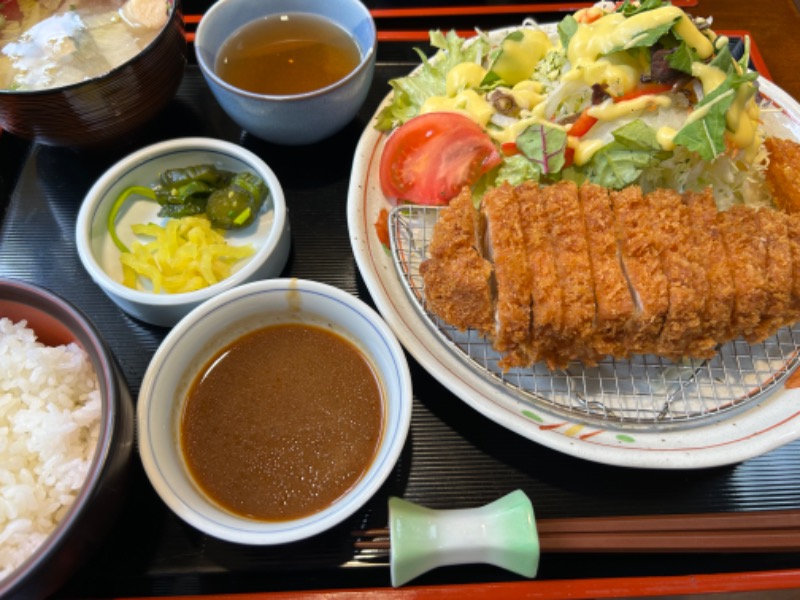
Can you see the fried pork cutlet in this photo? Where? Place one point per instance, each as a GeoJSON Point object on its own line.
{"type": "Point", "coordinates": [546, 293]}
{"type": "Point", "coordinates": [613, 303]}
{"type": "Point", "coordinates": [778, 272]}
{"type": "Point", "coordinates": [505, 247]}
{"type": "Point", "coordinates": [747, 254]}
{"type": "Point", "coordinates": [642, 267]}
{"type": "Point", "coordinates": [706, 241]}
{"type": "Point", "coordinates": [682, 331]}
{"type": "Point", "coordinates": [793, 233]}
{"type": "Point", "coordinates": [581, 273]}
{"type": "Point", "coordinates": [574, 271]}
{"type": "Point", "coordinates": [783, 173]}
{"type": "Point", "coordinates": [456, 276]}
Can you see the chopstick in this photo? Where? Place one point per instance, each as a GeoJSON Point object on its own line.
{"type": "Point", "coordinates": [750, 531]}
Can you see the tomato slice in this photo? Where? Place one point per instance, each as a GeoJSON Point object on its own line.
{"type": "Point", "coordinates": [431, 157]}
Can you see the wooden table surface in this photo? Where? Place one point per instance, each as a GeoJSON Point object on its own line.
{"type": "Point", "coordinates": [774, 25]}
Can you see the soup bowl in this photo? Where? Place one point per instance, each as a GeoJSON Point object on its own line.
{"type": "Point", "coordinates": [290, 119]}
{"type": "Point", "coordinates": [200, 336]}
{"type": "Point", "coordinates": [98, 500]}
{"type": "Point", "coordinates": [269, 234]}
{"type": "Point", "coordinates": [104, 109]}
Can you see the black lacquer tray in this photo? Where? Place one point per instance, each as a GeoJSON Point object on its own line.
{"type": "Point", "coordinates": [454, 457]}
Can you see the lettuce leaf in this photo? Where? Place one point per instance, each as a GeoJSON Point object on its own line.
{"type": "Point", "coordinates": [723, 60]}
{"type": "Point", "coordinates": [566, 29]}
{"type": "Point", "coordinates": [411, 91]}
{"type": "Point", "coordinates": [706, 135]}
{"type": "Point", "coordinates": [516, 170]}
{"type": "Point", "coordinates": [647, 38]}
{"type": "Point", "coordinates": [621, 162]}
{"type": "Point", "coordinates": [629, 8]}
{"type": "Point", "coordinates": [545, 147]}
{"type": "Point", "coordinates": [682, 58]}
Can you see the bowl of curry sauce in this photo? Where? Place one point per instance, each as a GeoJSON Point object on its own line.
{"type": "Point", "coordinates": [274, 411]}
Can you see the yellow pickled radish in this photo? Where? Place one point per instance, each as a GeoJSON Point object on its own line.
{"type": "Point", "coordinates": [184, 255]}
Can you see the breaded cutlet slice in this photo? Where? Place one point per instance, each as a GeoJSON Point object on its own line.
{"type": "Point", "coordinates": [682, 334]}
{"type": "Point", "coordinates": [778, 275]}
{"type": "Point", "coordinates": [505, 248]}
{"type": "Point", "coordinates": [642, 267]}
{"type": "Point", "coordinates": [546, 293]}
{"type": "Point", "coordinates": [614, 306]}
{"type": "Point", "coordinates": [747, 256]}
{"type": "Point", "coordinates": [783, 173]}
{"type": "Point", "coordinates": [793, 308]}
{"type": "Point", "coordinates": [457, 279]}
{"type": "Point", "coordinates": [574, 270]}
{"type": "Point", "coordinates": [706, 239]}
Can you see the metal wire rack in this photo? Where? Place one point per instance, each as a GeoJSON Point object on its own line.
{"type": "Point", "coordinates": [643, 392]}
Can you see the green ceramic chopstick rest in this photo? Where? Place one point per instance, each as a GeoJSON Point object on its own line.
{"type": "Point", "coordinates": [502, 533]}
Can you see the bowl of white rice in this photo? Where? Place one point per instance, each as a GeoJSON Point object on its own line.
{"type": "Point", "coordinates": [66, 439]}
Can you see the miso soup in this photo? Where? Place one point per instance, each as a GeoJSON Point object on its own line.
{"type": "Point", "coordinates": [56, 43]}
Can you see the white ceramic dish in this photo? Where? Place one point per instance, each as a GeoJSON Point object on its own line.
{"type": "Point", "coordinates": [767, 424]}
{"type": "Point", "coordinates": [221, 320]}
{"type": "Point", "coordinates": [269, 234]}
{"type": "Point", "coordinates": [291, 119]}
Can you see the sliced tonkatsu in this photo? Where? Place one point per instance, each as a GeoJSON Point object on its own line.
{"type": "Point", "coordinates": [457, 277]}
{"type": "Point", "coordinates": [547, 296]}
{"type": "Point", "coordinates": [574, 271]}
{"type": "Point", "coordinates": [504, 246]}
{"type": "Point", "coordinates": [642, 267]}
{"type": "Point", "coordinates": [783, 173]}
{"type": "Point", "coordinates": [746, 251]}
{"type": "Point", "coordinates": [580, 273]}
{"type": "Point", "coordinates": [778, 272]}
{"type": "Point", "coordinates": [614, 307]}
{"type": "Point", "coordinates": [682, 331]}
{"type": "Point", "coordinates": [793, 233]}
{"type": "Point", "coordinates": [705, 241]}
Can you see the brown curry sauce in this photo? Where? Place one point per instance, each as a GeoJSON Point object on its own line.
{"type": "Point", "coordinates": [282, 422]}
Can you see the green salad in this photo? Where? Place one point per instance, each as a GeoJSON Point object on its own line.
{"type": "Point", "coordinates": [617, 94]}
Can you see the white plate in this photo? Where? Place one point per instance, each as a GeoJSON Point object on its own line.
{"type": "Point", "coordinates": [761, 426]}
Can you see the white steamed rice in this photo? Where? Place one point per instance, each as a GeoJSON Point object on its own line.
{"type": "Point", "coordinates": [50, 410]}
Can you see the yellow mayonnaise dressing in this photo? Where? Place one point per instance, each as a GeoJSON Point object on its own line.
{"type": "Point", "coordinates": [710, 77]}
{"type": "Point", "coordinates": [467, 102]}
{"type": "Point", "coordinates": [741, 118]}
{"type": "Point", "coordinates": [466, 75]}
{"type": "Point", "coordinates": [527, 94]}
{"type": "Point", "coordinates": [591, 50]}
{"type": "Point", "coordinates": [610, 110]}
{"type": "Point", "coordinates": [665, 136]}
{"type": "Point", "coordinates": [513, 131]}
{"type": "Point", "coordinates": [584, 149]}
{"type": "Point", "coordinates": [619, 73]}
{"type": "Point", "coordinates": [615, 32]}
{"type": "Point", "coordinates": [742, 122]}
{"type": "Point", "coordinates": [518, 59]}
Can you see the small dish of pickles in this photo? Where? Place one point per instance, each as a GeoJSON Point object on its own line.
{"type": "Point", "coordinates": [177, 222]}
